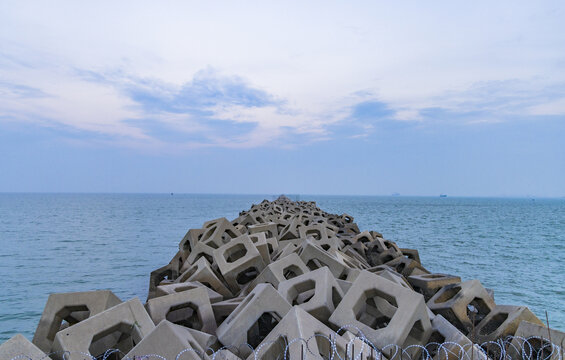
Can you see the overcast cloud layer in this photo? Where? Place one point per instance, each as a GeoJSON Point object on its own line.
{"type": "Point", "coordinates": [174, 77]}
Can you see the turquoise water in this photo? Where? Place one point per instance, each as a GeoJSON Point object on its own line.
{"type": "Point", "coordinates": [77, 242]}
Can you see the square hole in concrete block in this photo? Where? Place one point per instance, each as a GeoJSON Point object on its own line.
{"type": "Point", "coordinates": [247, 275]}
{"type": "Point", "coordinates": [235, 253]}
{"type": "Point", "coordinates": [67, 316]}
{"type": "Point", "coordinates": [375, 309]}
{"type": "Point", "coordinates": [186, 315]}
{"type": "Point", "coordinates": [262, 327]}
{"type": "Point", "coordinates": [122, 337]}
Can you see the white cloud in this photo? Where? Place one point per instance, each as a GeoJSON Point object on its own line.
{"type": "Point", "coordinates": [313, 56]}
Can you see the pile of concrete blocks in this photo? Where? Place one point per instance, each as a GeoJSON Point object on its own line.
{"type": "Point", "coordinates": [285, 279]}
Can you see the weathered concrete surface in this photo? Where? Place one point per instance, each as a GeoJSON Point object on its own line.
{"type": "Point", "coordinates": [66, 309]}
{"type": "Point", "coordinates": [21, 348]}
{"type": "Point", "coordinates": [119, 327]}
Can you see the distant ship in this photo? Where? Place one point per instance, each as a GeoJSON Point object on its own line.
{"type": "Point", "coordinates": [443, 195]}
{"type": "Point", "coordinates": [395, 194]}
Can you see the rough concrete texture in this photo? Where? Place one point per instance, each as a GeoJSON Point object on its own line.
{"type": "Point", "coordinates": [463, 304]}
{"type": "Point", "coordinates": [191, 308]}
{"type": "Point", "coordinates": [281, 270]}
{"type": "Point", "coordinates": [67, 309]}
{"type": "Point", "coordinates": [21, 348]}
{"type": "Point", "coordinates": [119, 327]}
{"type": "Point", "coordinates": [168, 340]}
{"type": "Point", "coordinates": [538, 345]}
{"type": "Point", "coordinates": [253, 318]}
{"type": "Point", "coordinates": [385, 312]}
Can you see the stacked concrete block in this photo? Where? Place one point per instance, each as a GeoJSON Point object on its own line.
{"type": "Point", "coordinates": [18, 347]}
{"type": "Point", "coordinates": [253, 318]}
{"type": "Point", "coordinates": [317, 292]}
{"type": "Point", "coordinates": [385, 312]}
{"type": "Point", "coordinates": [535, 341]}
{"type": "Point", "coordinates": [67, 309]}
{"type": "Point", "coordinates": [464, 304]}
{"type": "Point", "coordinates": [239, 262]}
{"type": "Point", "coordinates": [429, 284]}
{"type": "Point", "coordinates": [168, 340]}
{"type": "Point", "coordinates": [120, 327]}
{"type": "Point", "coordinates": [284, 270]}
{"type": "Point", "coordinates": [191, 308]}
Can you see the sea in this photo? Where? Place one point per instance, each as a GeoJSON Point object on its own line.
{"type": "Point", "coordinates": [51, 243]}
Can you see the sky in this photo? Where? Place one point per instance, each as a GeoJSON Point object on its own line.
{"type": "Point", "coordinates": [266, 97]}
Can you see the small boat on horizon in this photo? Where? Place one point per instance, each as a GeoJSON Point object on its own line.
{"type": "Point", "coordinates": [443, 195]}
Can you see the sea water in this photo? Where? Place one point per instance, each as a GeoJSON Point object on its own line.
{"type": "Point", "coordinates": [79, 242]}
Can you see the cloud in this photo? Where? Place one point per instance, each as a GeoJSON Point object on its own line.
{"type": "Point", "coordinates": [197, 75]}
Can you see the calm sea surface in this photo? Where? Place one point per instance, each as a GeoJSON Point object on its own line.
{"type": "Point", "coordinates": [78, 242]}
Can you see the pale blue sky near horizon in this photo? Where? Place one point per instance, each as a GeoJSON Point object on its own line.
{"type": "Point", "coordinates": [323, 97]}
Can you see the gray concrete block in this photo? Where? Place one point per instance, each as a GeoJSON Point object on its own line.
{"type": "Point", "coordinates": [283, 269]}
{"type": "Point", "coordinates": [21, 348]}
{"type": "Point", "coordinates": [66, 309]}
{"type": "Point", "coordinates": [385, 312]}
{"type": "Point", "coordinates": [168, 340]}
{"type": "Point", "coordinates": [317, 292]}
{"type": "Point", "coordinates": [254, 318]}
{"type": "Point", "coordinates": [429, 284]}
{"type": "Point", "coordinates": [167, 272]}
{"type": "Point", "coordinates": [464, 304]}
{"type": "Point", "coordinates": [448, 343]}
{"type": "Point", "coordinates": [202, 272]}
{"type": "Point", "coordinates": [531, 341]}
{"type": "Point", "coordinates": [190, 308]}
{"type": "Point", "coordinates": [174, 288]}
{"type": "Point", "coordinates": [120, 327]}
{"type": "Point", "coordinates": [297, 323]}
{"type": "Point", "coordinates": [239, 262]}
{"type": "Point", "coordinates": [502, 321]}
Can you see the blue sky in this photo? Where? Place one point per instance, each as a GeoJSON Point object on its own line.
{"type": "Point", "coordinates": [328, 97]}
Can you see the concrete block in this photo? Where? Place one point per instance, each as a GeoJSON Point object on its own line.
{"type": "Point", "coordinates": [265, 248]}
{"type": "Point", "coordinates": [174, 288]}
{"type": "Point", "coordinates": [411, 254]}
{"type": "Point", "coordinates": [21, 348]}
{"type": "Point", "coordinates": [223, 309]}
{"type": "Point", "coordinates": [66, 309]}
{"type": "Point", "coordinates": [448, 343]}
{"type": "Point", "coordinates": [120, 327]}
{"type": "Point", "coordinates": [315, 257]}
{"type": "Point", "coordinates": [429, 284]}
{"type": "Point", "coordinates": [317, 292]}
{"type": "Point", "coordinates": [297, 323]}
{"type": "Point", "coordinates": [531, 341]}
{"type": "Point", "coordinates": [290, 231]}
{"type": "Point", "coordinates": [283, 269]}
{"type": "Point", "coordinates": [502, 321]}
{"type": "Point", "coordinates": [270, 228]}
{"type": "Point", "coordinates": [394, 277]}
{"type": "Point", "coordinates": [219, 232]}
{"type": "Point", "coordinates": [254, 318]}
{"type": "Point", "coordinates": [464, 304]}
{"type": "Point", "coordinates": [190, 308]}
{"type": "Point", "coordinates": [167, 272]}
{"type": "Point", "coordinates": [239, 262]}
{"type": "Point", "coordinates": [190, 239]}
{"type": "Point", "coordinates": [202, 272]}
{"type": "Point", "coordinates": [284, 250]}
{"type": "Point", "coordinates": [406, 266]}
{"type": "Point", "coordinates": [385, 312]}
{"type": "Point", "coordinates": [319, 233]}
{"type": "Point", "coordinates": [168, 340]}
{"type": "Point", "coordinates": [380, 251]}
{"type": "Point", "coordinates": [200, 250]}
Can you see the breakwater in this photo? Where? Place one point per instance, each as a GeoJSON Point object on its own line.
{"type": "Point", "coordinates": [237, 260]}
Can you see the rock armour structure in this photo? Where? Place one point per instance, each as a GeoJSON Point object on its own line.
{"type": "Point", "coordinates": [283, 271]}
